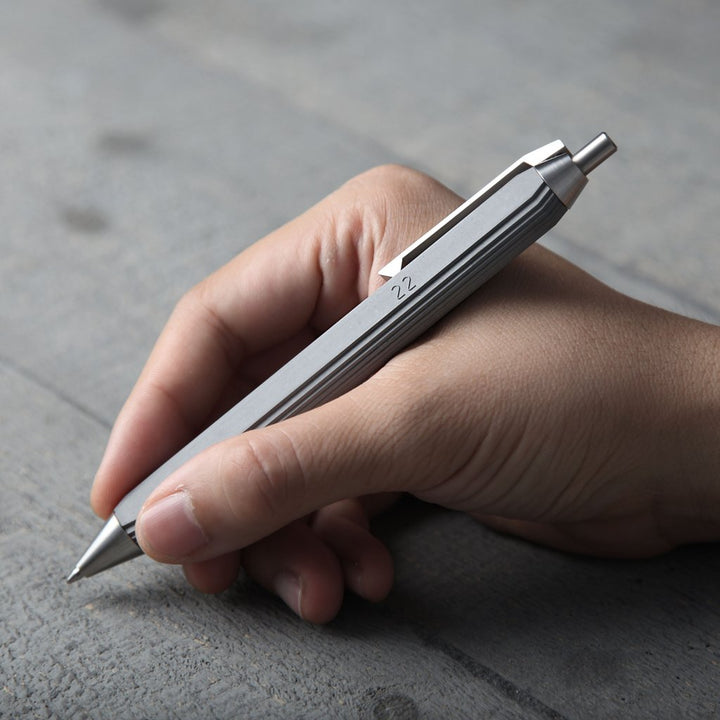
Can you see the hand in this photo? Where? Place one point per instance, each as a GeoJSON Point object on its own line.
{"type": "Point", "coordinates": [547, 405]}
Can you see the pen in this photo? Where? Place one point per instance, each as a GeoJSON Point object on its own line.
{"type": "Point", "coordinates": [425, 282]}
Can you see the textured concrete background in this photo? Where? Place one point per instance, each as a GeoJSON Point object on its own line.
{"type": "Point", "coordinates": [142, 144]}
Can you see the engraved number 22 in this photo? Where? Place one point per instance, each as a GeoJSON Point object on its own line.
{"type": "Point", "coordinates": [404, 287]}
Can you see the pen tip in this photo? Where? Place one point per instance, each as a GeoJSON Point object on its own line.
{"type": "Point", "coordinates": [74, 576]}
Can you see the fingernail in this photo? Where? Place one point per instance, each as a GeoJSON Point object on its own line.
{"type": "Point", "coordinates": [169, 527]}
{"type": "Point", "coordinates": [287, 586]}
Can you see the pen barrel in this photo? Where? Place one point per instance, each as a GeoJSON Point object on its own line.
{"type": "Point", "coordinates": [361, 342]}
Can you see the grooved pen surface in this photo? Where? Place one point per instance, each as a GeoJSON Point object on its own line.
{"type": "Point", "coordinates": [469, 254]}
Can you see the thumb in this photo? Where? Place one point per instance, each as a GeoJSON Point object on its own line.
{"type": "Point", "coordinates": [246, 488]}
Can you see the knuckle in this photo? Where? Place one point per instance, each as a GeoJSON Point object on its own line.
{"type": "Point", "coordinates": [199, 305]}
{"type": "Point", "coordinates": [191, 307]}
{"type": "Point", "coordinates": [192, 298]}
{"type": "Point", "coordinates": [393, 180]}
{"type": "Point", "coordinates": [386, 204]}
{"type": "Point", "coordinates": [262, 476]}
{"type": "Point", "coordinates": [389, 173]}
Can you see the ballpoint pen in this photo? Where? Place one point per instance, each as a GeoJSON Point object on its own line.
{"type": "Point", "coordinates": [425, 282]}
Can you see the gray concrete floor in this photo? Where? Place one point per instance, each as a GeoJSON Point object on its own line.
{"type": "Point", "coordinates": [142, 144]}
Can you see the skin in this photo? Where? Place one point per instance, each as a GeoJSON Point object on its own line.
{"type": "Point", "coordinates": [547, 405]}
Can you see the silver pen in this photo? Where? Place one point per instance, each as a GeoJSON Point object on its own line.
{"type": "Point", "coordinates": [425, 282]}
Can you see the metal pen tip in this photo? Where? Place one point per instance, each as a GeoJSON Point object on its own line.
{"type": "Point", "coordinates": [74, 576]}
{"type": "Point", "coordinates": [598, 150]}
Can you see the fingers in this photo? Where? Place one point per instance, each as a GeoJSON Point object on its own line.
{"type": "Point", "coordinates": [258, 310]}
{"type": "Point", "coordinates": [366, 564]}
{"type": "Point", "coordinates": [309, 563]}
{"type": "Point", "coordinates": [214, 575]}
{"type": "Point", "coordinates": [224, 337]}
{"type": "Point", "coordinates": [295, 564]}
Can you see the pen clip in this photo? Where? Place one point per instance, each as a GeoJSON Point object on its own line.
{"type": "Point", "coordinates": [532, 159]}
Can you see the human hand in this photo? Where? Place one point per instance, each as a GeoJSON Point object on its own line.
{"type": "Point", "coordinates": [547, 405]}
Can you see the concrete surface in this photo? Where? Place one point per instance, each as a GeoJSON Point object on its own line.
{"type": "Point", "coordinates": [142, 144]}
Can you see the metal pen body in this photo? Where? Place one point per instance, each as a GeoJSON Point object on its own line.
{"type": "Point", "coordinates": [457, 257]}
